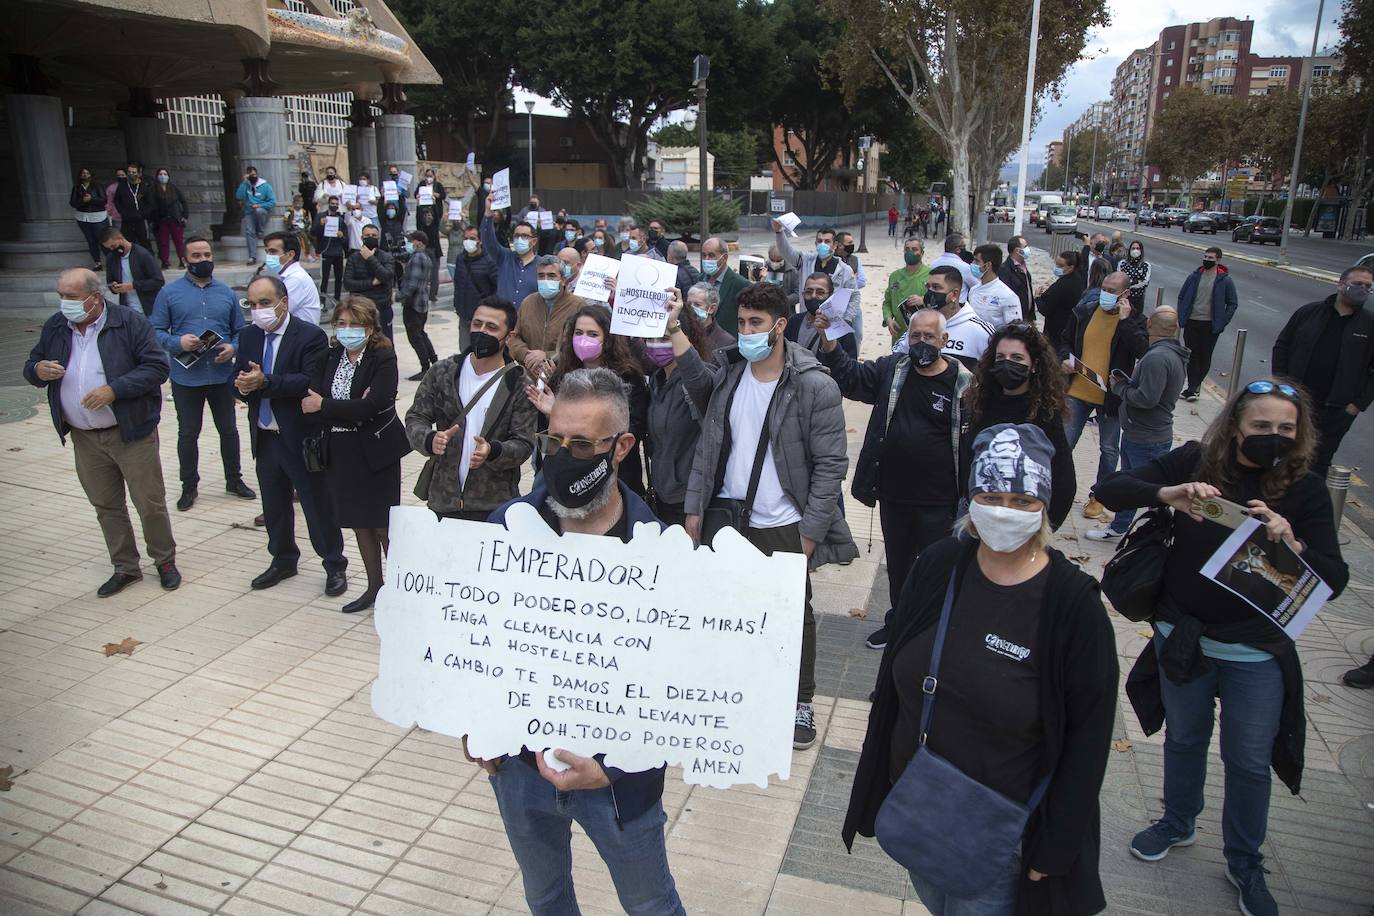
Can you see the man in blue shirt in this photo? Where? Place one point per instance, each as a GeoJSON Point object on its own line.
{"type": "Point", "coordinates": [514, 266]}
{"type": "Point", "coordinates": [258, 200]}
{"type": "Point", "coordinates": [185, 309]}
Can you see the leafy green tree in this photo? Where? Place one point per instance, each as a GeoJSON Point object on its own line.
{"type": "Point", "coordinates": [1177, 147]}
{"type": "Point", "coordinates": [910, 158]}
{"type": "Point", "coordinates": [1356, 50]}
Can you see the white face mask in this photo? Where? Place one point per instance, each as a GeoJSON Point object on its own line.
{"type": "Point", "coordinates": [469, 245]}
{"type": "Point", "coordinates": [1003, 529]}
{"type": "Point", "coordinates": [264, 318]}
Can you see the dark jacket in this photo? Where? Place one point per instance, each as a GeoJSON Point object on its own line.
{"type": "Point", "coordinates": [169, 204]}
{"type": "Point", "coordinates": [509, 426]}
{"type": "Point", "coordinates": [802, 334]}
{"type": "Point", "coordinates": [414, 285]}
{"type": "Point", "coordinates": [134, 202]}
{"type": "Point", "coordinates": [677, 404]}
{"type": "Point", "coordinates": [1078, 686]}
{"type": "Point", "coordinates": [1297, 343]}
{"type": "Point", "coordinates": [301, 347]}
{"type": "Point", "coordinates": [727, 314]}
{"type": "Point", "coordinates": [474, 279]}
{"type": "Point", "coordinates": [1223, 298]}
{"type": "Point", "coordinates": [1198, 606]}
{"type": "Point", "coordinates": [631, 793]}
{"type": "Point", "coordinates": [359, 273]}
{"type": "Point", "coordinates": [879, 382]}
{"type": "Point", "coordinates": [1148, 399]}
{"type": "Point", "coordinates": [1057, 302]}
{"type": "Point", "coordinates": [1004, 408]}
{"type": "Point", "coordinates": [1129, 343]}
{"type": "Point", "coordinates": [135, 368]}
{"type": "Point", "coordinates": [145, 274]}
{"type": "Point", "coordinates": [371, 404]}
{"type": "Point", "coordinates": [331, 246]}
{"type": "Point", "coordinates": [686, 276]}
{"type": "Point", "coordinates": [95, 205]}
{"type": "Point", "coordinates": [1018, 279]}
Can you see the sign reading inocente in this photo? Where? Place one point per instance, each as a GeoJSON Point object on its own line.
{"type": "Point", "coordinates": [650, 652]}
{"type": "Point", "coordinates": [642, 293]}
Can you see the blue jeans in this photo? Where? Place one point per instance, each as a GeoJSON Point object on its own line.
{"type": "Point", "coordinates": [538, 820]}
{"type": "Point", "coordinates": [1251, 699]}
{"type": "Point", "coordinates": [254, 223]}
{"type": "Point", "coordinates": [1135, 455]}
{"type": "Point", "coordinates": [996, 900]}
{"type": "Point", "coordinates": [1108, 432]}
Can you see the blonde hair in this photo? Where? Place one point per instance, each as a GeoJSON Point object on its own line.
{"type": "Point", "coordinates": [963, 527]}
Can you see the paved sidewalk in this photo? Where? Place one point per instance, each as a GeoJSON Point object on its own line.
{"type": "Point", "coordinates": [232, 763]}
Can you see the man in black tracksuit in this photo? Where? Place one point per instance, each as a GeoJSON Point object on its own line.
{"type": "Point", "coordinates": [1328, 346]}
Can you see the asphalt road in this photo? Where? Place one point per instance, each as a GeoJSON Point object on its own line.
{"type": "Point", "coordinates": [1268, 296]}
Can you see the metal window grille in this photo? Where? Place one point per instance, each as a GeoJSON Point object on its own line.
{"type": "Point", "coordinates": [321, 118]}
{"type": "Point", "coordinates": [194, 115]}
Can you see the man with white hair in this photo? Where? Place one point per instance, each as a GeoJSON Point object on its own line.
{"type": "Point", "coordinates": [579, 490]}
{"type": "Point", "coordinates": [686, 273]}
{"type": "Point", "coordinates": [103, 368]}
{"type": "Point", "coordinates": [909, 461]}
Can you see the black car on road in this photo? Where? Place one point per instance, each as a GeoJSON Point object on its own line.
{"type": "Point", "coordinates": [1259, 229]}
{"type": "Point", "coordinates": [1200, 222]}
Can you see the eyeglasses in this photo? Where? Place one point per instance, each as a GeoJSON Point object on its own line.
{"type": "Point", "coordinates": [1264, 386]}
{"type": "Point", "coordinates": [927, 336]}
{"type": "Point", "coordinates": [577, 447]}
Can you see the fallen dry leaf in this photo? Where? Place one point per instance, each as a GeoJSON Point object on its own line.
{"type": "Point", "coordinates": [1320, 698]}
{"type": "Point", "coordinates": [1122, 744]}
{"type": "Point", "coordinates": [121, 648]}
{"type": "Point", "coordinates": [5, 781]}
{"type": "Point", "coordinates": [15, 448]}
{"type": "Point", "coordinates": [858, 612]}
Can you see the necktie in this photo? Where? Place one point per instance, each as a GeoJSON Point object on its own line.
{"type": "Point", "coordinates": [265, 406]}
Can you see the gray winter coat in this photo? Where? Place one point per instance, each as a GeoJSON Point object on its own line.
{"type": "Point", "coordinates": [676, 405]}
{"type": "Point", "coordinates": [810, 451]}
{"type": "Point", "coordinates": [1149, 398]}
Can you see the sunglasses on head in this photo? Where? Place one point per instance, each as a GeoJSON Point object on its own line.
{"type": "Point", "coordinates": [1264, 386]}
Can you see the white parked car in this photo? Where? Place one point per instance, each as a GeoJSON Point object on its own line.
{"type": "Point", "coordinates": [1062, 219]}
{"type": "Point", "coordinates": [1085, 213]}
{"type": "Point", "coordinates": [1106, 214]}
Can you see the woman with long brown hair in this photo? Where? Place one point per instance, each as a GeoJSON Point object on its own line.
{"type": "Point", "coordinates": [1209, 642]}
{"type": "Point", "coordinates": [353, 395]}
{"type": "Point", "coordinates": [1019, 380]}
{"type": "Point", "coordinates": [587, 343]}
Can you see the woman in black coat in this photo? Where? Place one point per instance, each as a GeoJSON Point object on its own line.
{"type": "Point", "coordinates": [1026, 694]}
{"type": "Point", "coordinates": [1057, 302]}
{"type": "Point", "coordinates": [170, 213]}
{"type": "Point", "coordinates": [353, 396]}
{"type": "Point", "coordinates": [88, 200]}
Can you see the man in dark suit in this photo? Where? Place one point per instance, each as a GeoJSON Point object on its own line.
{"type": "Point", "coordinates": [276, 357]}
{"type": "Point", "coordinates": [131, 271]}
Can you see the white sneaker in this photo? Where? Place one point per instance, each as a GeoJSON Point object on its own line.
{"type": "Point", "coordinates": [1101, 534]}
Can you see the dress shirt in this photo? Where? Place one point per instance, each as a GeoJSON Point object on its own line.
{"type": "Point", "coordinates": [85, 373]}
{"type": "Point", "coordinates": [271, 339]}
{"type": "Point", "coordinates": [185, 307]}
{"type": "Point", "coordinates": [302, 298]}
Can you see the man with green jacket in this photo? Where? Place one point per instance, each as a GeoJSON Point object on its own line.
{"type": "Point", "coordinates": [906, 284]}
{"type": "Point", "coordinates": [716, 270]}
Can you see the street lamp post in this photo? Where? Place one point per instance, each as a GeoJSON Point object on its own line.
{"type": "Point", "coordinates": [529, 120]}
{"type": "Point", "coordinates": [865, 144]}
{"type": "Point", "coordinates": [1068, 158]}
{"type": "Point", "coordinates": [701, 69]}
{"type": "Point", "coordinates": [1297, 147]}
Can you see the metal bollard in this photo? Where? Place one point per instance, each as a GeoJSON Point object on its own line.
{"type": "Point", "coordinates": [1159, 297]}
{"type": "Point", "coordinates": [1338, 485]}
{"type": "Point", "coordinates": [1236, 364]}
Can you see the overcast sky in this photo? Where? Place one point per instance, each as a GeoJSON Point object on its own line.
{"type": "Point", "coordinates": [1282, 27]}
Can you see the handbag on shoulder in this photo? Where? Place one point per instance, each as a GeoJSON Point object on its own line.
{"type": "Point", "coordinates": [1133, 578]}
{"type": "Point", "coordinates": [734, 513]}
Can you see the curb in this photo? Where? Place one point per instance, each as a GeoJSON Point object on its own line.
{"type": "Point", "coordinates": [1310, 273]}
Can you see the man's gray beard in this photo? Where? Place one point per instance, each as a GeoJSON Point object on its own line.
{"type": "Point", "coordinates": [598, 502]}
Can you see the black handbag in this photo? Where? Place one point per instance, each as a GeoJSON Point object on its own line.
{"type": "Point", "coordinates": [387, 444]}
{"type": "Point", "coordinates": [734, 513]}
{"type": "Point", "coordinates": [315, 451]}
{"type": "Point", "coordinates": [941, 823]}
{"type": "Point", "coordinates": [1133, 578]}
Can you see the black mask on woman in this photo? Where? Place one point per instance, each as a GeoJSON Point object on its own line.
{"type": "Point", "coordinates": [1010, 374]}
{"type": "Point", "coordinates": [575, 482]}
{"type": "Point", "coordinates": [483, 344]}
{"type": "Point", "coordinates": [1267, 450]}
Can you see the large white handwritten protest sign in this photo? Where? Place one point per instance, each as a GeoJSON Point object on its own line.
{"type": "Point", "coordinates": [499, 197]}
{"type": "Point", "coordinates": [641, 297]}
{"type": "Point", "coordinates": [594, 282]}
{"type": "Point", "coordinates": [650, 652]}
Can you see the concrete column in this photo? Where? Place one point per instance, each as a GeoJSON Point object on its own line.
{"type": "Point", "coordinates": [48, 237]}
{"type": "Point", "coordinates": [396, 146]}
{"type": "Point", "coordinates": [232, 246]}
{"type": "Point", "coordinates": [261, 125]}
{"type": "Point", "coordinates": [362, 143]}
{"type": "Point", "coordinates": [145, 134]}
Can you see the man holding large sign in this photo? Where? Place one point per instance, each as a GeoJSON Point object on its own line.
{"type": "Point", "coordinates": [595, 659]}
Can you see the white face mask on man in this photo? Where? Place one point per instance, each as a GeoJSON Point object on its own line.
{"type": "Point", "coordinates": [1004, 529]}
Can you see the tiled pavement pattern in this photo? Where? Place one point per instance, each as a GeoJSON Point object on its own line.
{"type": "Point", "coordinates": [232, 764]}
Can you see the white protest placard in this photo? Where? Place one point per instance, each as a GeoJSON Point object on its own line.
{"type": "Point", "coordinates": [424, 195]}
{"type": "Point", "coordinates": [350, 194]}
{"type": "Point", "coordinates": [1269, 576]}
{"type": "Point", "coordinates": [649, 652]}
{"type": "Point", "coordinates": [545, 219]}
{"type": "Point", "coordinates": [594, 282]}
{"type": "Point", "coordinates": [641, 297]}
{"type": "Point", "coordinates": [403, 179]}
{"type": "Point", "coordinates": [777, 205]}
{"type": "Point", "coordinates": [834, 309]}
{"type": "Point", "coordinates": [499, 196]}
{"type": "Point", "coordinates": [470, 163]}
{"type": "Point", "coordinates": [790, 222]}
{"type": "Point", "coordinates": [455, 210]}
{"type": "Point", "coordinates": [331, 227]}
{"type": "Point", "coordinates": [390, 191]}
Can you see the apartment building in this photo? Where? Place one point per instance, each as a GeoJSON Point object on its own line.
{"type": "Point", "coordinates": [1054, 153]}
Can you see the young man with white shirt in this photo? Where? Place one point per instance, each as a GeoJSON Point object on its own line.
{"type": "Point", "coordinates": [769, 380]}
{"type": "Point", "coordinates": [470, 416]}
{"type": "Point", "coordinates": [954, 245]}
{"type": "Point", "coordinates": [992, 300]}
{"type": "Point", "coordinates": [283, 259]}
{"type": "Point", "coordinates": [368, 197]}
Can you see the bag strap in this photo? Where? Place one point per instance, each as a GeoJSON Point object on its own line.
{"type": "Point", "coordinates": [760, 453]}
{"type": "Point", "coordinates": [481, 392]}
{"type": "Point", "coordinates": [932, 680]}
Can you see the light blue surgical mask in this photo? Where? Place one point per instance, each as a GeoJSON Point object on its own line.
{"type": "Point", "coordinates": [1058, 271]}
{"type": "Point", "coordinates": [634, 244]}
{"type": "Point", "coordinates": [549, 288]}
{"type": "Point", "coordinates": [599, 243]}
{"type": "Point", "coordinates": [822, 250]}
{"type": "Point", "coordinates": [410, 247]}
{"type": "Point", "coordinates": [976, 270]}
{"type": "Point", "coordinates": [1107, 301]}
{"type": "Point", "coordinates": [351, 338]}
{"type": "Point", "coordinates": [272, 264]}
{"type": "Point", "coordinates": [709, 266]}
{"type": "Point", "coordinates": [74, 310]}
{"type": "Point", "coordinates": [755, 347]}
{"type": "Point", "coordinates": [567, 271]}
{"type": "Point", "coordinates": [522, 245]}
{"type": "Point", "coordinates": [390, 212]}
{"type": "Point", "coordinates": [701, 313]}
{"type": "Point", "coordinates": [570, 234]}
{"type": "Point", "coordinates": [623, 236]}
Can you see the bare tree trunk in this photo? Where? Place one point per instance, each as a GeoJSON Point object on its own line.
{"type": "Point", "coordinates": [958, 198]}
{"type": "Point", "coordinates": [1357, 183]}
{"type": "Point", "coordinates": [1312, 213]}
